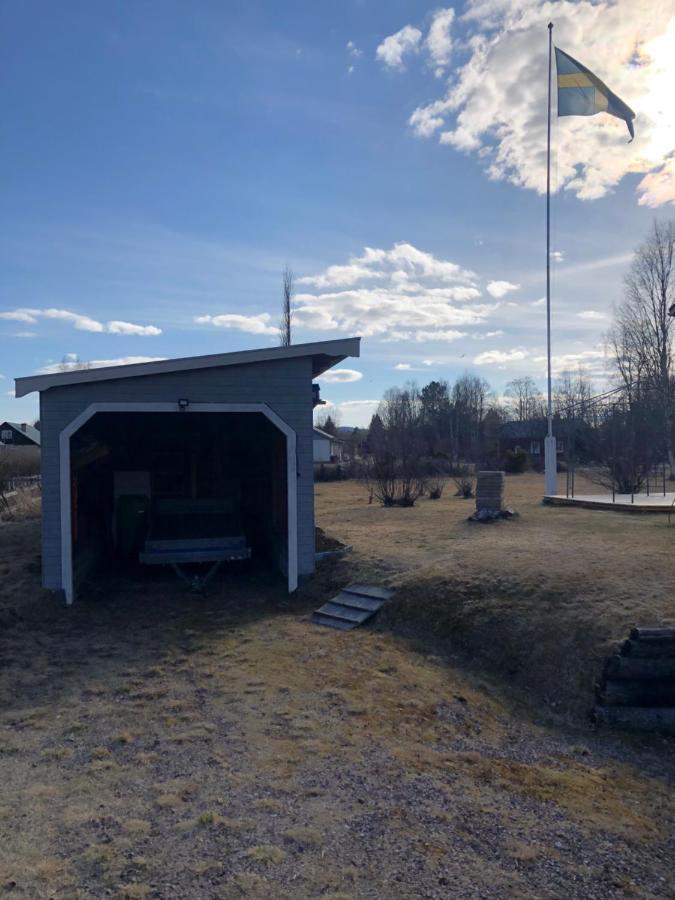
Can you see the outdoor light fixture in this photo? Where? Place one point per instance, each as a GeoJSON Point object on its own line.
{"type": "Point", "coordinates": [183, 403]}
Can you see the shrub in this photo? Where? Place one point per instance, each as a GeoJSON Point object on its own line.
{"type": "Point", "coordinates": [395, 482]}
{"type": "Point", "coordinates": [464, 483]}
{"type": "Point", "coordinates": [515, 461]}
{"type": "Point", "coordinates": [436, 488]}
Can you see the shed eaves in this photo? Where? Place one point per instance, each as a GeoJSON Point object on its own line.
{"type": "Point", "coordinates": [324, 354]}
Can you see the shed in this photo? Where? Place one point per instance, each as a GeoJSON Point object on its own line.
{"type": "Point", "coordinates": [19, 434]}
{"type": "Point", "coordinates": [327, 447]}
{"type": "Point", "coordinates": [229, 432]}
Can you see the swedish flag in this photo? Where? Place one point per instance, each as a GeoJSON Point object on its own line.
{"type": "Point", "coordinates": [581, 93]}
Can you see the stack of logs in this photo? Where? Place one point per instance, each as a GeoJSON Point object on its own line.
{"type": "Point", "coordinates": [637, 690]}
{"type": "Point", "coordinates": [490, 491]}
{"type": "Point", "coordinates": [490, 498]}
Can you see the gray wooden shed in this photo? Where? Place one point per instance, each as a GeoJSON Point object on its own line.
{"type": "Point", "coordinates": [230, 425]}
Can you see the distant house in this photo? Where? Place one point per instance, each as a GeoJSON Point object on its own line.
{"type": "Point", "coordinates": [529, 436]}
{"type": "Point", "coordinates": [19, 434]}
{"type": "Point", "coordinates": [327, 447]}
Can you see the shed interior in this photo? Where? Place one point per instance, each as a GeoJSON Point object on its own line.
{"type": "Point", "coordinates": [185, 475]}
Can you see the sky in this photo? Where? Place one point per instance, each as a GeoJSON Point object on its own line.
{"type": "Point", "coordinates": [163, 162]}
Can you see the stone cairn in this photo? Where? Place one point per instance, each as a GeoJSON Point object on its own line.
{"type": "Point", "coordinates": [490, 498]}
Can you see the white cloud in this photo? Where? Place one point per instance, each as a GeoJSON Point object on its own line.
{"type": "Point", "coordinates": [442, 336]}
{"type": "Point", "coordinates": [439, 39]}
{"type": "Point", "coordinates": [592, 361]}
{"type": "Point", "coordinates": [540, 302]}
{"type": "Point", "coordinates": [557, 255]}
{"type": "Point", "coordinates": [25, 334]}
{"type": "Point", "coordinates": [394, 48]}
{"type": "Point", "coordinates": [499, 289]}
{"type": "Point", "coordinates": [499, 357]}
{"type": "Point", "coordinates": [353, 404]}
{"type": "Point", "coordinates": [357, 412]}
{"type": "Point", "coordinates": [427, 362]}
{"type": "Point", "coordinates": [79, 321]}
{"type": "Point", "coordinates": [658, 187]}
{"type": "Point", "coordinates": [396, 294]}
{"type": "Point", "coordinates": [493, 107]}
{"type": "Point", "coordinates": [72, 363]}
{"type": "Point", "coordinates": [353, 50]}
{"type": "Point", "coordinates": [253, 324]}
{"type": "Point", "coordinates": [403, 367]}
{"type": "Point", "coordinates": [341, 376]}
{"type": "Point", "coordinates": [592, 314]}
{"type": "Point", "coordinates": [117, 327]}
{"type": "Point", "coordinates": [20, 315]}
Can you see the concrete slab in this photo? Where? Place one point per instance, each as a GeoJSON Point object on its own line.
{"type": "Point", "coordinates": [637, 503]}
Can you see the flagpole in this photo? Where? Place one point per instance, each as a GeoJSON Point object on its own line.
{"type": "Point", "coordinates": [550, 460]}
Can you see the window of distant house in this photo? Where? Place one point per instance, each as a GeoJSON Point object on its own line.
{"type": "Point", "coordinates": [560, 445]}
{"type": "Point", "coordinates": [6, 435]}
{"type": "Point", "coordinates": [535, 448]}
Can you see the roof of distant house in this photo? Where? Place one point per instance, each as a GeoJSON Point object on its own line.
{"type": "Point", "coordinates": [324, 434]}
{"type": "Point", "coordinates": [29, 430]}
{"type": "Point", "coordinates": [529, 430]}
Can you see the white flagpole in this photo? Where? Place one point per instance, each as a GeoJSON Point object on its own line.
{"type": "Point", "coordinates": [550, 459]}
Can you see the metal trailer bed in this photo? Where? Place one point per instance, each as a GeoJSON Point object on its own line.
{"type": "Point", "coordinates": [176, 517]}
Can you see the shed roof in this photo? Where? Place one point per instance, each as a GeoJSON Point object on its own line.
{"type": "Point", "coordinates": [29, 430]}
{"type": "Point", "coordinates": [324, 355]}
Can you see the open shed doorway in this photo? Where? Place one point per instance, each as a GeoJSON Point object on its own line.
{"type": "Point", "coordinates": [146, 472]}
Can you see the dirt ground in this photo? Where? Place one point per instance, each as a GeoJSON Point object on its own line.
{"type": "Point", "coordinates": [159, 744]}
{"type": "Point", "coordinates": [540, 600]}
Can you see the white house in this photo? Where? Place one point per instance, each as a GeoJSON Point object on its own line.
{"type": "Point", "coordinates": [327, 447]}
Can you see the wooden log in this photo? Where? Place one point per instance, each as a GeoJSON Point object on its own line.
{"type": "Point", "coordinates": [637, 718]}
{"type": "Point", "coordinates": [637, 693]}
{"type": "Point", "coordinates": [627, 668]}
{"type": "Point", "coordinates": [645, 633]}
{"type": "Point", "coordinates": [649, 649]}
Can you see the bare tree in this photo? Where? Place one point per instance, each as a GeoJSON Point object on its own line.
{"type": "Point", "coordinates": [571, 394]}
{"type": "Point", "coordinates": [288, 288]}
{"type": "Point", "coordinates": [396, 473]}
{"type": "Point", "coordinates": [526, 401]}
{"type": "Point", "coordinates": [641, 338]}
{"type": "Point", "coordinates": [328, 421]}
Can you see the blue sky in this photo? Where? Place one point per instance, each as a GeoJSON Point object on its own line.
{"type": "Point", "coordinates": [163, 162]}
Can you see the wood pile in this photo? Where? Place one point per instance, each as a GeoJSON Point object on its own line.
{"type": "Point", "coordinates": [637, 689]}
{"type": "Point", "coordinates": [490, 498]}
{"type": "Point", "coordinates": [490, 491]}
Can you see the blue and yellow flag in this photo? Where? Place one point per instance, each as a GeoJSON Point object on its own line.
{"type": "Point", "coordinates": [581, 93]}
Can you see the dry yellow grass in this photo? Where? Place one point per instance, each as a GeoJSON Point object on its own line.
{"type": "Point", "coordinates": [541, 599]}
{"type": "Point", "coordinates": [311, 762]}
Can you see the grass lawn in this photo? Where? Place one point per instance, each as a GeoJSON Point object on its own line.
{"type": "Point", "coordinates": [158, 744]}
{"type": "Point", "coordinates": [541, 599]}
